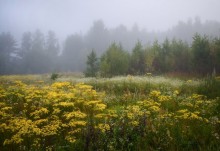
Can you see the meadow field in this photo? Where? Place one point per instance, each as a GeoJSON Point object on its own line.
{"type": "Point", "coordinates": [120, 113]}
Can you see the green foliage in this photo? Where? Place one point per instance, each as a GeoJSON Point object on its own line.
{"type": "Point", "coordinates": [40, 54]}
{"type": "Point", "coordinates": [114, 61]}
{"type": "Point", "coordinates": [163, 60]}
{"type": "Point", "coordinates": [210, 87]}
{"type": "Point", "coordinates": [201, 55]}
{"type": "Point", "coordinates": [137, 61]}
{"type": "Point", "coordinates": [215, 54]}
{"type": "Point", "coordinates": [135, 113]}
{"type": "Point", "coordinates": [92, 65]}
{"type": "Point", "coordinates": [180, 56]}
{"type": "Point", "coordinates": [54, 76]}
{"type": "Point", "coordinates": [151, 54]}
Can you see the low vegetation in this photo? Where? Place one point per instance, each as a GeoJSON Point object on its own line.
{"type": "Point", "coordinates": [120, 113]}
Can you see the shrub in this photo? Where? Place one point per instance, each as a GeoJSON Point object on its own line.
{"type": "Point", "coordinates": [54, 76]}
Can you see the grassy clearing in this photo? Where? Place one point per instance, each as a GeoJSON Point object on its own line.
{"type": "Point", "coordinates": [120, 113]}
{"type": "Point", "coordinates": [151, 80]}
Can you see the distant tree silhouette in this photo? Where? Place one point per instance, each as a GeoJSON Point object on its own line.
{"type": "Point", "coordinates": [74, 55]}
{"type": "Point", "coordinates": [52, 50]}
{"type": "Point", "coordinates": [92, 65]}
{"type": "Point", "coordinates": [7, 48]}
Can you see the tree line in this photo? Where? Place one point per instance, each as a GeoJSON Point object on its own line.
{"type": "Point", "coordinates": [202, 57]}
{"type": "Point", "coordinates": [117, 51]}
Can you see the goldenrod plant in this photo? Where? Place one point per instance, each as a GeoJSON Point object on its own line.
{"type": "Point", "coordinates": [65, 115]}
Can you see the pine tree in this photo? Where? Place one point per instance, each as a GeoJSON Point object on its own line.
{"type": "Point", "coordinates": [92, 65]}
{"type": "Point", "coordinates": [115, 61]}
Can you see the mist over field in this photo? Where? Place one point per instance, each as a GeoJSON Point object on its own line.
{"type": "Point", "coordinates": [56, 36]}
{"type": "Point", "coordinates": [69, 17]}
{"type": "Point", "coordinates": [111, 75]}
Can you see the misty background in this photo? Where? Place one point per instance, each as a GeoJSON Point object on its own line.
{"type": "Point", "coordinates": [77, 16]}
{"type": "Point", "coordinates": [71, 29]}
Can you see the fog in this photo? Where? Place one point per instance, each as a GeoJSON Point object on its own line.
{"type": "Point", "coordinates": [71, 16]}
{"type": "Point", "coordinates": [41, 36]}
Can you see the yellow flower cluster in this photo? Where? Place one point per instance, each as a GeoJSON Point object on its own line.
{"type": "Point", "coordinates": [35, 114]}
{"type": "Point", "coordinates": [103, 127]}
{"type": "Point", "coordinates": [185, 114]}
{"type": "Point", "coordinates": [155, 93]}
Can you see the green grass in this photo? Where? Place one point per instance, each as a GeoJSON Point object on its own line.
{"type": "Point", "coordinates": [153, 112]}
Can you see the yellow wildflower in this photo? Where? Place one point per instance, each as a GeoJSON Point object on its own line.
{"type": "Point", "coordinates": [103, 127]}
{"type": "Point", "coordinates": [176, 92]}
{"type": "Point", "coordinates": [155, 93]}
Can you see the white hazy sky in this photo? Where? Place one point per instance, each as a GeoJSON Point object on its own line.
{"type": "Point", "coordinates": [70, 16]}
